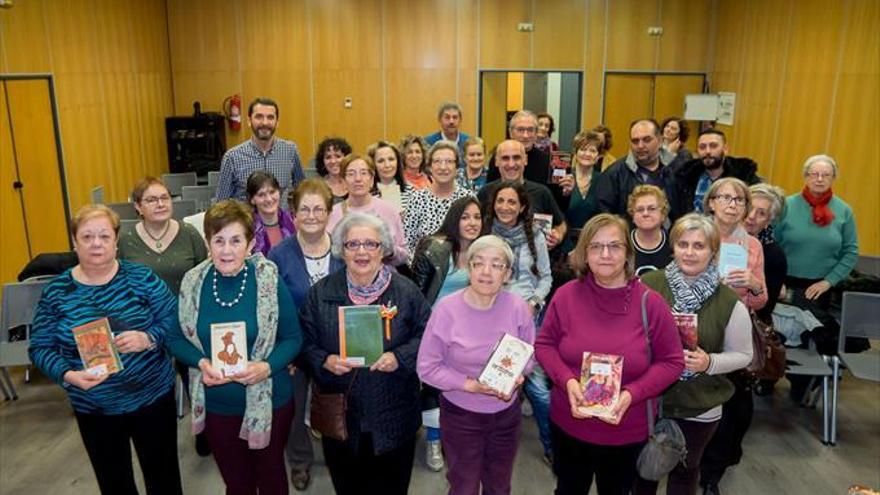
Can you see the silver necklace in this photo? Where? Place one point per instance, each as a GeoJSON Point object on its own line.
{"type": "Point", "coordinates": [158, 240]}
{"type": "Point", "coordinates": [224, 304]}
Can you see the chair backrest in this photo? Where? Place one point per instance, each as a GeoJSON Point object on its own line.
{"type": "Point", "coordinates": [18, 307]}
{"type": "Point", "coordinates": [98, 195]}
{"type": "Point", "coordinates": [127, 224]}
{"type": "Point", "coordinates": [858, 317]}
{"type": "Point", "coordinates": [213, 178]}
{"type": "Point", "coordinates": [183, 208]}
{"type": "Point", "coordinates": [200, 194]}
{"type": "Point", "coordinates": [125, 211]}
{"type": "Point", "coordinates": [174, 182]}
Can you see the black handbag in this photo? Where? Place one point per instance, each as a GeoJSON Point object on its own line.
{"type": "Point", "coordinates": [666, 445]}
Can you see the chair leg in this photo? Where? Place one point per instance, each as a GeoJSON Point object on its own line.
{"type": "Point", "coordinates": [9, 384]}
{"type": "Point", "coordinates": [6, 393]}
{"type": "Point", "coordinates": [834, 391]}
{"type": "Point", "coordinates": [826, 416]}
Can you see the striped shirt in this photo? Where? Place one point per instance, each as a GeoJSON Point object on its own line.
{"type": "Point", "coordinates": [282, 161]}
{"type": "Point", "coordinates": [134, 299]}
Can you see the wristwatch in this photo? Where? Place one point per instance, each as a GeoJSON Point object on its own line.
{"type": "Point", "coordinates": [152, 341]}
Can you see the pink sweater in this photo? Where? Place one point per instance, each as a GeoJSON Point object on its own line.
{"type": "Point", "coordinates": [384, 210]}
{"type": "Point", "coordinates": [584, 316]}
{"type": "Point", "coordinates": [755, 265]}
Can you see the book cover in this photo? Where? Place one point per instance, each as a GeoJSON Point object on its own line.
{"type": "Point", "coordinates": [229, 347]}
{"type": "Point", "coordinates": [600, 378]}
{"type": "Point", "coordinates": [687, 329]}
{"type": "Point", "coordinates": [543, 221]}
{"type": "Point", "coordinates": [732, 256]}
{"type": "Point", "coordinates": [506, 363]}
{"type": "Point", "coordinates": [361, 340]}
{"type": "Point", "coordinates": [560, 166]}
{"type": "Point", "coordinates": [94, 341]}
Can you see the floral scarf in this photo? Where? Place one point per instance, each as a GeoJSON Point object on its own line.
{"type": "Point", "coordinates": [366, 294]}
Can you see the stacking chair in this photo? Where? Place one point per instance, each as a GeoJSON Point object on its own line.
{"type": "Point", "coordinates": [18, 306]}
{"type": "Point", "coordinates": [126, 224]}
{"type": "Point", "coordinates": [202, 195]}
{"type": "Point", "coordinates": [858, 318]}
{"type": "Point", "coordinates": [213, 178]}
{"type": "Point", "coordinates": [808, 362]}
{"type": "Point", "coordinates": [174, 182]}
{"type": "Point", "coordinates": [125, 211]}
{"type": "Point", "coordinates": [183, 208]}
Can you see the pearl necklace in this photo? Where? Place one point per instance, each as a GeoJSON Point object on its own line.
{"type": "Point", "coordinates": [224, 304]}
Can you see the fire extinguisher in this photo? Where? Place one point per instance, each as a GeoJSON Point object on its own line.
{"type": "Point", "coordinates": [232, 109]}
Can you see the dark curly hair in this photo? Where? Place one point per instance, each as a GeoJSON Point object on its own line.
{"type": "Point", "coordinates": [328, 143]}
{"type": "Point", "coordinates": [684, 130]}
{"type": "Point", "coordinates": [525, 217]}
{"type": "Point", "coordinates": [450, 230]}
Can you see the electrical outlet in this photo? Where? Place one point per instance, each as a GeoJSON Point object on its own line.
{"type": "Point", "coordinates": [346, 102]}
{"type": "Point", "coordinates": [525, 27]}
{"type": "Point", "coordinates": [655, 31]}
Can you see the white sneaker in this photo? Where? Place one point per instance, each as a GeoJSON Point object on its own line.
{"type": "Point", "coordinates": [434, 455]}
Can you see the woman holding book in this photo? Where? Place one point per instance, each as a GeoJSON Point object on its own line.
{"type": "Point", "coordinates": [693, 287]}
{"type": "Point", "coordinates": [728, 203]}
{"type": "Point", "coordinates": [272, 224]}
{"type": "Point", "coordinates": [439, 269]}
{"type": "Point", "coordinates": [602, 313]}
{"type": "Point", "coordinates": [480, 424]}
{"type": "Point", "coordinates": [237, 332]}
{"type": "Point", "coordinates": [129, 398]}
{"type": "Point", "coordinates": [381, 393]}
{"type": "Point", "coordinates": [302, 260]}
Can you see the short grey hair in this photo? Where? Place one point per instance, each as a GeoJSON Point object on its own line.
{"type": "Point", "coordinates": [490, 242]}
{"type": "Point", "coordinates": [448, 105]}
{"type": "Point", "coordinates": [355, 219]}
{"type": "Point", "coordinates": [522, 114]}
{"type": "Point", "coordinates": [443, 145]}
{"type": "Point", "coordinates": [808, 164]}
{"type": "Point", "coordinates": [774, 194]}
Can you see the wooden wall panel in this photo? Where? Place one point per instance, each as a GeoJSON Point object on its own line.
{"type": "Point", "coordinates": [25, 23]}
{"type": "Point", "coordinates": [629, 46]}
{"type": "Point", "coordinates": [13, 243]}
{"type": "Point", "coordinates": [684, 45]}
{"type": "Point", "coordinates": [627, 97]}
{"type": "Point", "coordinates": [558, 39]}
{"type": "Point", "coordinates": [669, 92]}
{"type": "Point", "coordinates": [501, 45]}
{"type": "Point", "coordinates": [494, 108]}
{"type": "Point", "coordinates": [594, 63]}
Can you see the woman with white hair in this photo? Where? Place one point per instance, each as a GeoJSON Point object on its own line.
{"type": "Point", "coordinates": [480, 424]}
{"type": "Point", "coordinates": [818, 234]}
{"type": "Point", "coordinates": [382, 413]}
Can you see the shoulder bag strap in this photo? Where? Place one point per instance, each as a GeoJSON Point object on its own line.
{"type": "Point", "coordinates": [649, 403]}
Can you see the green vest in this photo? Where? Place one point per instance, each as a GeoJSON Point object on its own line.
{"type": "Point", "coordinates": [687, 399]}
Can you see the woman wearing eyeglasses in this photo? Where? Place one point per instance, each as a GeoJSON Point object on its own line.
{"type": "Point", "coordinates": [728, 201]}
{"type": "Point", "coordinates": [426, 208]}
{"type": "Point", "coordinates": [302, 260]}
{"type": "Point", "coordinates": [360, 173]}
{"type": "Point", "coordinates": [601, 312]}
{"type": "Point", "coordinates": [648, 207]}
{"type": "Point", "coordinates": [382, 414]}
{"type": "Point", "coordinates": [480, 424]}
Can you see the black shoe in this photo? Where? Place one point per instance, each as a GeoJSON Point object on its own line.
{"type": "Point", "coordinates": [711, 489]}
{"type": "Point", "coordinates": [202, 447]}
{"type": "Point", "coordinates": [300, 478]}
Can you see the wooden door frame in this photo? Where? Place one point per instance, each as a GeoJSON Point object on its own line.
{"type": "Point", "coordinates": [653, 74]}
{"type": "Point", "coordinates": [50, 81]}
{"type": "Point", "coordinates": [580, 98]}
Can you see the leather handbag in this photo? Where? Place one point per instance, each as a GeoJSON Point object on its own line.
{"type": "Point", "coordinates": [327, 412]}
{"type": "Point", "coordinates": [666, 445]}
{"type": "Point", "coordinates": [768, 353]}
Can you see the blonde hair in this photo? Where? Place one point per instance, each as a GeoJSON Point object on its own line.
{"type": "Point", "coordinates": [593, 226]}
{"type": "Point", "coordinates": [647, 190]}
{"type": "Point", "coordinates": [740, 186]}
{"type": "Point", "coordinates": [695, 221]}
{"type": "Point", "coordinates": [91, 211]}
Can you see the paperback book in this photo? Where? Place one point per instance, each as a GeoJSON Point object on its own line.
{"type": "Point", "coordinates": [506, 363]}
{"type": "Point", "coordinates": [229, 347]}
{"type": "Point", "coordinates": [600, 378]}
{"type": "Point", "coordinates": [94, 341]}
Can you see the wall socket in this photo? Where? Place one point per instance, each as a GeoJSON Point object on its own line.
{"type": "Point", "coordinates": [346, 102]}
{"type": "Point", "coordinates": [525, 27]}
{"type": "Point", "coordinates": [655, 31]}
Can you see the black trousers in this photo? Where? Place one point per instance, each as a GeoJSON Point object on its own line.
{"type": "Point", "coordinates": [683, 478]}
{"type": "Point", "coordinates": [575, 462]}
{"type": "Point", "coordinates": [152, 429]}
{"type": "Point", "coordinates": [355, 473]}
{"type": "Point", "coordinates": [725, 448]}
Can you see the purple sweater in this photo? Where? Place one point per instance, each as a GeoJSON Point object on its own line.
{"type": "Point", "coordinates": [584, 316]}
{"type": "Point", "coordinates": [459, 340]}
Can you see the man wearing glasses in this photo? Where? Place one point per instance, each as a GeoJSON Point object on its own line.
{"type": "Point", "coordinates": [695, 176]}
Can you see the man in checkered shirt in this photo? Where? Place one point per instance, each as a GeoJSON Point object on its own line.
{"type": "Point", "coordinates": [263, 151]}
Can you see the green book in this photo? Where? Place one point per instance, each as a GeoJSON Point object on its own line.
{"type": "Point", "coordinates": [360, 335]}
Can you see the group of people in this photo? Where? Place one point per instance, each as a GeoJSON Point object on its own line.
{"type": "Point", "coordinates": [605, 257]}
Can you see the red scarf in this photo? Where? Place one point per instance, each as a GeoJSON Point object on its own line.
{"type": "Point", "coordinates": [822, 214]}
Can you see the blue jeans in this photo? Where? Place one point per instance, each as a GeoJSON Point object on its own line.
{"type": "Point", "coordinates": [537, 389]}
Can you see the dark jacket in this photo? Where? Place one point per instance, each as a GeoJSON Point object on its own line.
{"type": "Point", "coordinates": [385, 404]}
{"type": "Point", "coordinates": [775, 269]}
{"type": "Point", "coordinates": [618, 181]}
{"type": "Point", "coordinates": [430, 266]}
{"type": "Point", "coordinates": [291, 263]}
{"type": "Point", "coordinates": [688, 175]}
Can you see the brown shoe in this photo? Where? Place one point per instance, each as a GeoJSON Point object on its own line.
{"type": "Point", "coordinates": [300, 478]}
